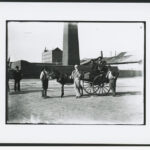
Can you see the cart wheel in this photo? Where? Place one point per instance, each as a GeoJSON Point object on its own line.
{"type": "Point", "coordinates": [100, 87]}
{"type": "Point", "coordinates": [88, 87]}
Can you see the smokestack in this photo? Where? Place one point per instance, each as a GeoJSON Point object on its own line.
{"type": "Point", "coordinates": [70, 44]}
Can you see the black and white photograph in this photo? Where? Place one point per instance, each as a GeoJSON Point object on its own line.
{"type": "Point", "coordinates": [75, 72]}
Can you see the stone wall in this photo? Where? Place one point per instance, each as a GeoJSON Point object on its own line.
{"type": "Point", "coordinates": [32, 70]}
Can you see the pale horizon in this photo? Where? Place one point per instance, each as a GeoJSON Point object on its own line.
{"type": "Point", "coordinates": [27, 40]}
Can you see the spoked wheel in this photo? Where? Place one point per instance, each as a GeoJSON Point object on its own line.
{"type": "Point", "coordinates": [100, 87]}
{"type": "Point", "coordinates": [88, 87]}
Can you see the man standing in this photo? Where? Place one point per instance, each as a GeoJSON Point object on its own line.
{"type": "Point", "coordinates": [76, 75]}
{"type": "Point", "coordinates": [44, 78]}
{"type": "Point", "coordinates": [112, 80]}
{"type": "Point", "coordinates": [17, 78]}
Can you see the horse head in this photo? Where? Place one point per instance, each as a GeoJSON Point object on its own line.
{"type": "Point", "coordinates": [54, 74]}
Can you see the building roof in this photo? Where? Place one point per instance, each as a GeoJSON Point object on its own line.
{"type": "Point", "coordinates": [55, 49]}
{"type": "Point", "coordinates": [120, 58]}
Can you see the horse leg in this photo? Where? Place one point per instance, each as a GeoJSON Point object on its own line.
{"type": "Point", "coordinates": [62, 90]}
{"type": "Point", "coordinates": [81, 88]}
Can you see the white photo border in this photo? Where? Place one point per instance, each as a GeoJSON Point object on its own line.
{"type": "Point", "coordinates": [82, 135]}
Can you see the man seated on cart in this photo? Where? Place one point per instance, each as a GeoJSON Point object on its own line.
{"type": "Point", "coordinates": [98, 68]}
{"type": "Point", "coordinates": [102, 68]}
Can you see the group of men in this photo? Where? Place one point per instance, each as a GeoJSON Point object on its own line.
{"type": "Point", "coordinates": [76, 76]}
{"type": "Point", "coordinates": [99, 67]}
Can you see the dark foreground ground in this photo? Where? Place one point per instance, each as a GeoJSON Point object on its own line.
{"type": "Point", "coordinates": [28, 106]}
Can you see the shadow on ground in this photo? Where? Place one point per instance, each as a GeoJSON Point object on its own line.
{"type": "Point", "coordinates": [24, 92]}
{"type": "Point", "coordinates": [118, 94]}
{"type": "Point", "coordinates": [128, 93]}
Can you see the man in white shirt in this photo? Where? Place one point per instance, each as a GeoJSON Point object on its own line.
{"type": "Point", "coordinates": [112, 80]}
{"type": "Point", "coordinates": [76, 75]}
{"type": "Point", "coordinates": [44, 76]}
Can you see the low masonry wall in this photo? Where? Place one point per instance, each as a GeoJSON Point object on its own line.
{"type": "Point", "coordinates": [33, 70]}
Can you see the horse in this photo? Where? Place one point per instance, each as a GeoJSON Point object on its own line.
{"type": "Point", "coordinates": [63, 79]}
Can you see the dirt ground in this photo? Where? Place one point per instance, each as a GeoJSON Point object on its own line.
{"type": "Point", "coordinates": [28, 106]}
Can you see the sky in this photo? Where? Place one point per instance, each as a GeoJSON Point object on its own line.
{"type": "Point", "coordinates": [27, 40]}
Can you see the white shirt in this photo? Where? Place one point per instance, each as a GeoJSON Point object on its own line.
{"type": "Point", "coordinates": [42, 75]}
{"type": "Point", "coordinates": [110, 76]}
{"type": "Point", "coordinates": [76, 74]}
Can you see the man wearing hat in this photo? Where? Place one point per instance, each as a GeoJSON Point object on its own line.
{"type": "Point", "coordinates": [17, 77]}
{"type": "Point", "coordinates": [76, 75]}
